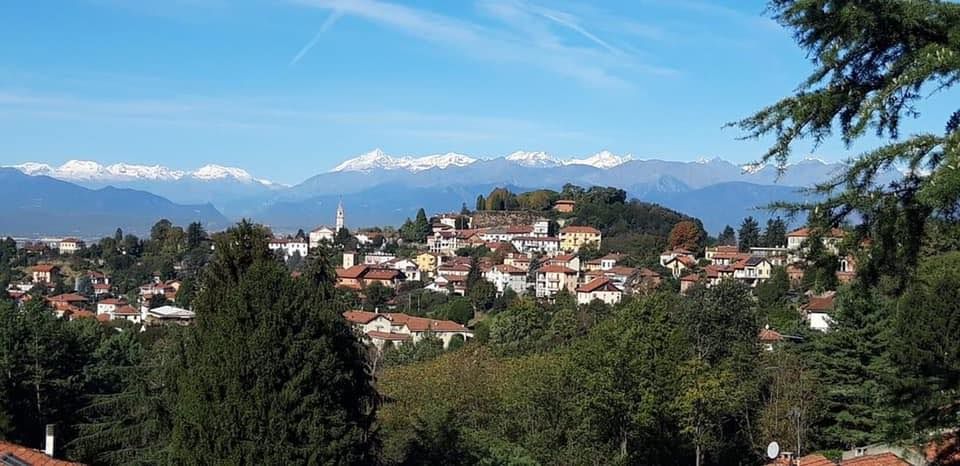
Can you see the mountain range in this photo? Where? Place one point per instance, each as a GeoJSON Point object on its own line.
{"type": "Point", "coordinates": [40, 205]}
{"type": "Point", "coordinates": [379, 189]}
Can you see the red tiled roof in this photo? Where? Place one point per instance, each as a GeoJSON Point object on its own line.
{"type": "Point", "coordinates": [361, 317]}
{"type": "Point", "coordinates": [805, 232]}
{"type": "Point", "coordinates": [504, 268]}
{"type": "Point", "coordinates": [690, 278]}
{"type": "Point", "coordinates": [580, 229]}
{"type": "Point", "coordinates": [114, 301]}
{"type": "Point", "coordinates": [67, 298]}
{"type": "Point", "coordinates": [45, 268]}
{"type": "Point", "coordinates": [883, 459]}
{"type": "Point", "coordinates": [352, 272]}
{"type": "Point", "coordinates": [715, 271]}
{"type": "Point", "coordinates": [101, 286]}
{"type": "Point", "coordinates": [381, 274]}
{"type": "Point", "coordinates": [769, 336]}
{"type": "Point", "coordinates": [81, 314]}
{"type": "Point", "coordinates": [556, 269]}
{"type": "Point", "coordinates": [597, 284]}
{"type": "Point", "coordinates": [126, 311]}
{"type": "Point", "coordinates": [519, 229]}
{"type": "Point", "coordinates": [819, 304]}
{"type": "Point", "coordinates": [31, 456]}
{"type": "Point", "coordinates": [809, 460]}
{"type": "Point", "coordinates": [626, 271]}
{"type": "Point", "coordinates": [726, 248]}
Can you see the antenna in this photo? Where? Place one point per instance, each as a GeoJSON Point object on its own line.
{"type": "Point", "coordinates": [773, 450]}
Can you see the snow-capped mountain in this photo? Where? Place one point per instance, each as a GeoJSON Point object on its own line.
{"type": "Point", "coordinates": [532, 159]}
{"type": "Point", "coordinates": [603, 159]}
{"type": "Point", "coordinates": [93, 172]}
{"type": "Point", "coordinates": [377, 159]}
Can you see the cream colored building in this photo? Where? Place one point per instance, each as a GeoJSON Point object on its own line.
{"type": "Point", "coordinates": [574, 237]}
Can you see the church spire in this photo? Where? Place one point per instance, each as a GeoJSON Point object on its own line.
{"type": "Point", "coordinates": [340, 216]}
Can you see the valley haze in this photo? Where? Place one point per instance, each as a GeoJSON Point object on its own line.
{"type": "Point", "coordinates": [382, 189]}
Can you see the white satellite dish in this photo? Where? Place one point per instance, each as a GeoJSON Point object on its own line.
{"type": "Point", "coordinates": [773, 450]}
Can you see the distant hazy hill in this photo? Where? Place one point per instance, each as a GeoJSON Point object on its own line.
{"type": "Point", "coordinates": [724, 203]}
{"type": "Point", "coordinates": [40, 205]}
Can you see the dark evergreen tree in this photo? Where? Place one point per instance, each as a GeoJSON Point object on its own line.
{"type": "Point", "coordinates": [727, 237]}
{"type": "Point", "coordinates": [749, 234]}
{"type": "Point", "coordinates": [776, 233]}
{"type": "Point", "coordinates": [481, 203]}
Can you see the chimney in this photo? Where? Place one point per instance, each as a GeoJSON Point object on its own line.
{"type": "Point", "coordinates": [48, 444]}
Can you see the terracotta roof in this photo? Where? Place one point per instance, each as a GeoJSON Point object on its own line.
{"type": "Point", "coordinates": [683, 259]}
{"type": "Point", "coordinates": [597, 284]}
{"type": "Point", "coordinates": [44, 268]}
{"type": "Point", "coordinates": [101, 286]}
{"type": "Point", "coordinates": [690, 278]}
{"type": "Point", "coordinates": [519, 229]}
{"type": "Point", "coordinates": [126, 311]}
{"type": "Point", "coordinates": [621, 270]}
{"type": "Point", "coordinates": [543, 239]}
{"type": "Point", "coordinates": [353, 272]}
{"type": "Point", "coordinates": [114, 301]}
{"type": "Point", "coordinates": [389, 336]}
{"type": "Point", "coordinates": [31, 456]}
{"type": "Point", "coordinates": [819, 304]}
{"type": "Point", "coordinates": [95, 274]}
{"type": "Point", "coordinates": [883, 459]}
{"type": "Point", "coordinates": [67, 298]}
{"type": "Point", "coordinates": [815, 460]}
{"type": "Point", "coordinates": [769, 336]}
{"type": "Point", "coordinates": [453, 268]}
{"type": "Point", "coordinates": [504, 268]}
{"type": "Point", "coordinates": [716, 271]}
{"type": "Point", "coordinates": [81, 314]}
{"type": "Point", "coordinates": [580, 229]}
{"type": "Point", "coordinates": [361, 317]}
{"type": "Point", "coordinates": [805, 232]}
{"type": "Point", "coordinates": [556, 269]}
{"type": "Point", "coordinates": [381, 274]}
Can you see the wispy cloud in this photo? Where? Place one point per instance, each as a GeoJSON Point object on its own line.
{"type": "Point", "coordinates": [285, 114]}
{"type": "Point", "coordinates": [519, 33]}
{"type": "Point", "coordinates": [331, 19]}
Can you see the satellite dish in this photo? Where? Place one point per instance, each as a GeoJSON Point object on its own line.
{"type": "Point", "coordinates": [773, 450]}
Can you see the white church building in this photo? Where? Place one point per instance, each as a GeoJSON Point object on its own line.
{"type": "Point", "coordinates": [325, 233]}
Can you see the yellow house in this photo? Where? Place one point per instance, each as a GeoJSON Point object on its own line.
{"type": "Point", "coordinates": [573, 237]}
{"type": "Point", "coordinates": [427, 262]}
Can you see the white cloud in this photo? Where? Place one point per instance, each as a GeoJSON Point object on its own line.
{"type": "Point", "coordinates": [520, 34]}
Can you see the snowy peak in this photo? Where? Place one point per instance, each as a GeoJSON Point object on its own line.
{"type": "Point", "coordinates": [90, 171]}
{"type": "Point", "coordinates": [34, 169]}
{"type": "Point", "coordinates": [377, 159]}
{"type": "Point", "coordinates": [532, 159]}
{"type": "Point", "coordinates": [603, 159]}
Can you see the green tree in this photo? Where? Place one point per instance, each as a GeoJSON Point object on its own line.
{"type": "Point", "coordinates": [195, 235]}
{"type": "Point", "coordinates": [269, 358]}
{"type": "Point", "coordinates": [518, 329]}
{"type": "Point", "coordinates": [874, 63]}
{"type": "Point", "coordinates": [926, 348]}
{"type": "Point", "coordinates": [727, 237]}
{"type": "Point", "coordinates": [749, 234]}
{"type": "Point", "coordinates": [775, 234]}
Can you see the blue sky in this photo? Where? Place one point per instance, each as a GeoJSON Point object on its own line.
{"type": "Point", "coordinates": [287, 89]}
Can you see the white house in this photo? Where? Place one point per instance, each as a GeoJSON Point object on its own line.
{"type": "Point", "coordinates": [830, 239]}
{"type": "Point", "coordinates": [398, 328]}
{"type": "Point", "coordinates": [679, 263]}
{"type": "Point", "coordinates": [507, 277]}
{"type": "Point", "coordinates": [600, 288]}
{"type": "Point", "coordinates": [377, 258]}
{"type": "Point", "coordinates": [818, 310]}
{"type": "Point", "coordinates": [541, 228]}
{"type": "Point", "coordinates": [445, 242]}
{"type": "Point", "coordinates": [289, 246]}
{"type": "Point", "coordinates": [321, 234]}
{"type": "Point", "coordinates": [70, 245]}
{"type": "Point", "coordinates": [752, 270]}
{"type": "Point", "coordinates": [553, 278]}
{"type": "Point", "coordinates": [411, 272]}
{"type": "Point", "coordinates": [531, 244]}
